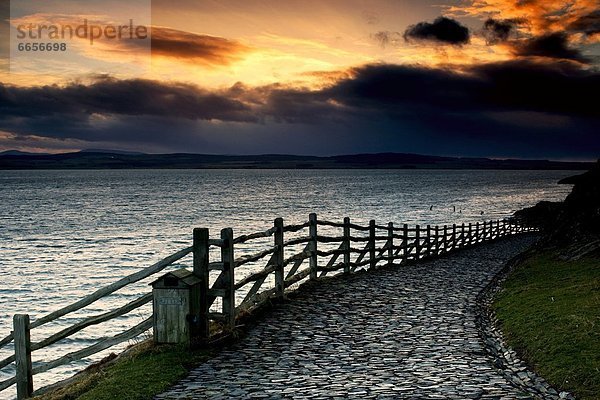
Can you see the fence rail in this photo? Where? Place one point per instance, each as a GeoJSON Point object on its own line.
{"type": "Point", "coordinates": [347, 247]}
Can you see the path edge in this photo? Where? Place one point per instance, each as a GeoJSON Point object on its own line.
{"type": "Point", "coordinates": [503, 358]}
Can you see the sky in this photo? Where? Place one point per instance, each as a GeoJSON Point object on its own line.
{"type": "Point", "coordinates": [477, 78]}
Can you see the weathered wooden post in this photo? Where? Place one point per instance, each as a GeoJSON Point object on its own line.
{"type": "Point", "coordinates": [22, 341]}
{"type": "Point", "coordinates": [470, 235]}
{"type": "Point", "coordinates": [405, 242]}
{"type": "Point", "coordinates": [463, 238]}
{"type": "Point", "coordinates": [278, 258]}
{"type": "Point", "coordinates": [312, 231]}
{"type": "Point", "coordinates": [372, 262]}
{"type": "Point", "coordinates": [437, 240]}
{"type": "Point", "coordinates": [445, 240]}
{"type": "Point", "coordinates": [227, 259]}
{"type": "Point", "coordinates": [429, 243]}
{"type": "Point", "coordinates": [477, 235]}
{"type": "Point", "coordinates": [200, 253]}
{"type": "Point", "coordinates": [497, 229]}
{"type": "Point", "coordinates": [453, 243]}
{"type": "Point", "coordinates": [417, 242]}
{"type": "Point", "coordinates": [484, 233]}
{"type": "Point", "coordinates": [346, 245]}
{"type": "Point", "coordinates": [390, 252]}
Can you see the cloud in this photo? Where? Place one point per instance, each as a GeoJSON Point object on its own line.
{"type": "Point", "coordinates": [519, 85]}
{"type": "Point", "coordinates": [588, 24]}
{"type": "Point", "coordinates": [109, 96]}
{"type": "Point", "coordinates": [497, 31]}
{"type": "Point", "coordinates": [481, 108]}
{"type": "Point", "coordinates": [193, 47]}
{"type": "Point", "coordinates": [204, 50]}
{"type": "Point", "coordinates": [543, 16]}
{"type": "Point", "coordinates": [386, 38]}
{"type": "Point", "coordinates": [508, 86]}
{"type": "Point", "coordinates": [553, 45]}
{"type": "Point", "coordinates": [443, 31]}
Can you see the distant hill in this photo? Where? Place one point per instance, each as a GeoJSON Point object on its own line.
{"type": "Point", "coordinates": [109, 159]}
{"type": "Point", "coordinates": [108, 151]}
{"type": "Point", "coordinates": [19, 153]}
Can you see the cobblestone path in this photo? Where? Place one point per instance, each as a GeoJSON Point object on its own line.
{"type": "Point", "coordinates": [402, 333]}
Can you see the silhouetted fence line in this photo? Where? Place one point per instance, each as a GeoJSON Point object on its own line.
{"type": "Point", "coordinates": [346, 248]}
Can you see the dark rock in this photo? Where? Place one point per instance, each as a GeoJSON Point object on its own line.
{"type": "Point", "coordinates": [573, 225]}
{"type": "Point", "coordinates": [543, 215]}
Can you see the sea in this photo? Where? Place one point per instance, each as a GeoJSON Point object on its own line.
{"type": "Point", "coordinates": [64, 234]}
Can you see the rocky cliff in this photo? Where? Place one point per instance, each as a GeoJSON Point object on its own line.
{"type": "Point", "coordinates": [574, 224]}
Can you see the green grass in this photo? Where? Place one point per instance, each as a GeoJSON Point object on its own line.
{"type": "Point", "coordinates": [550, 314]}
{"type": "Point", "coordinates": [139, 376]}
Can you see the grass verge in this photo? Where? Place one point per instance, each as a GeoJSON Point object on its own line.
{"type": "Point", "coordinates": [138, 375]}
{"type": "Point", "coordinates": [550, 314]}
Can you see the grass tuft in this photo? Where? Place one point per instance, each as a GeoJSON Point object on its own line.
{"type": "Point", "coordinates": [549, 310]}
{"type": "Point", "coordinates": [139, 375]}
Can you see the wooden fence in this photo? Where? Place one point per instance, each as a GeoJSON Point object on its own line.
{"type": "Point", "coordinates": [347, 247]}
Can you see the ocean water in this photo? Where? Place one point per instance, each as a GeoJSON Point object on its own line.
{"type": "Point", "coordinates": [64, 234]}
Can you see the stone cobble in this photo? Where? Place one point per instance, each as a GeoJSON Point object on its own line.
{"type": "Point", "coordinates": [405, 332]}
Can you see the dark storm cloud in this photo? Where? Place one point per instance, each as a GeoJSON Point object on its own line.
{"type": "Point", "coordinates": [588, 24]}
{"type": "Point", "coordinates": [443, 30]}
{"type": "Point", "coordinates": [121, 97]}
{"type": "Point", "coordinates": [553, 45]}
{"type": "Point", "coordinates": [519, 85]}
{"type": "Point", "coordinates": [506, 86]}
{"type": "Point", "coordinates": [500, 30]}
{"type": "Point", "coordinates": [521, 105]}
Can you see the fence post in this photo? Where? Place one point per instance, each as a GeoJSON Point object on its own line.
{"type": "Point", "coordinates": [445, 241]}
{"type": "Point", "coordinates": [346, 245]}
{"type": "Point", "coordinates": [200, 252]}
{"type": "Point", "coordinates": [23, 356]}
{"type": "Point", "coordinates": [463, 236]}
{"type": "Point", "coordinates": [279, 277]}
{"type": "Point", "coordinates": [437, 240]}
{"type": "Point", "coordinates": [417, 242]}
{"type": "Point", "coordinates": [405, 242]}
{"type": "Point", "coordinates": [372, 262]}
{"type": "Point", "coordinates": [390, 251]}
{"type": "Point", "coordinates": [497, 229]}
{"type": "Point", "coordinates": [470, 235]}
{"type": "Point", "coordinates": [312, 219]}
{"type": "Point", "coordinates": [453, 245]}
{"type": "Point", "coordinates": [229, 280]}
{"type": "Point", "coordinates": [429, 244]}
{"type": "Point", "coordinates": [477, 236]}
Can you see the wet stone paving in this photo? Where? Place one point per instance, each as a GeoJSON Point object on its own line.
{"type": "Point", "coordinates": [407, 332]}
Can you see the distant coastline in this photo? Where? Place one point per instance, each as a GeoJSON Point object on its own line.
{"type": "Point", "coordinates": [107, 159]}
